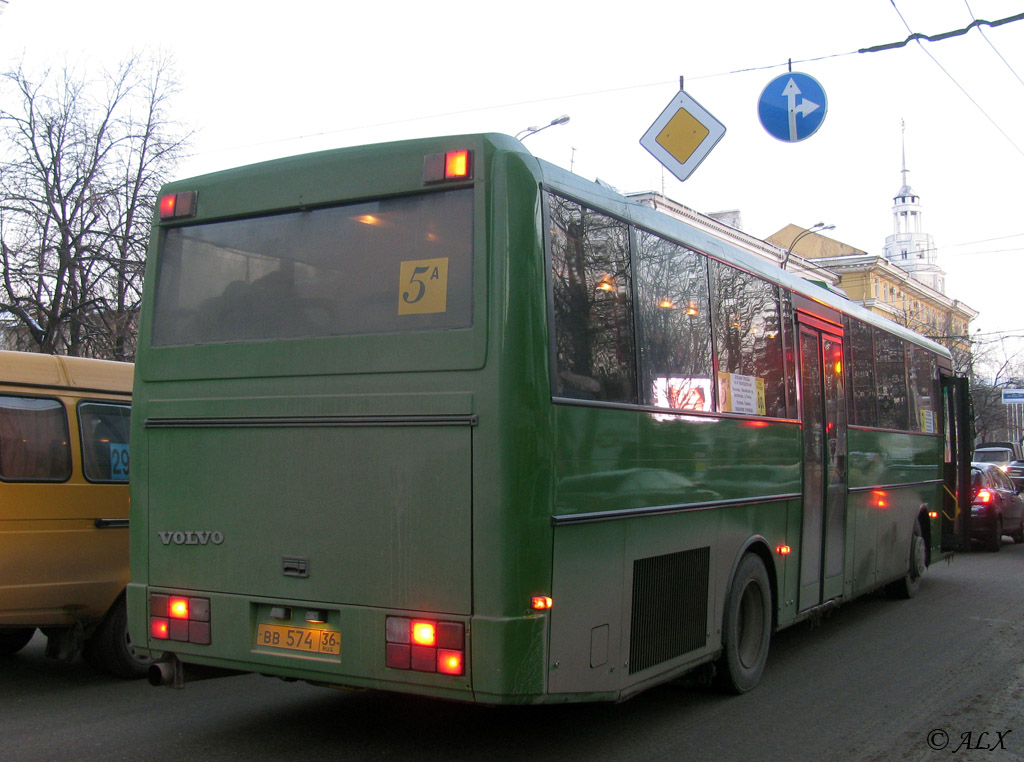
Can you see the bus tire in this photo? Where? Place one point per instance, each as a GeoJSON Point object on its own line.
{"type": "Point", "coordinates": [907, 587]}
{"type": "Point", "coordinates": [747, 627]}
{"type": "Point", "coordinates": [110, 649]}
{"type": "Point", "coordinates": [14, 639]}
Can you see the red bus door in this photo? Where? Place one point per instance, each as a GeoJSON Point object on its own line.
{"type": "Point", "coordinates": [823, 413]}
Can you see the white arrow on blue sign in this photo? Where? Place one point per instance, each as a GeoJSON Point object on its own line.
{"type": "Point", "coordinates": [792, 107]}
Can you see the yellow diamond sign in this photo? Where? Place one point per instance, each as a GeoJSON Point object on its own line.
{"type": "Point", "coordinates": [683, 135]}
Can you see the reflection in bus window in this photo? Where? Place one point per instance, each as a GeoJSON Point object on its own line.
{"type": "Point", "coordinates": [674, 325]}
{"type": "Point", "coordinates": [593, 304]}
{"type": "Point", "coordinates": [862, 392]}
{"type": "Point", "coordinates": [33, 440]}
{"type": "Point", "coordinates": [923, 389]}
{"type": "Point", "coordinates": [748, 341]}
{"type": "Point", "coordinates": [891, 369]}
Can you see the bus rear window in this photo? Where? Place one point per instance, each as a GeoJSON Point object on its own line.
{"type": "Point", "coordinates": [387, 266]}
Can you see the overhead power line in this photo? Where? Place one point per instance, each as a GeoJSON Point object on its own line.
{"type": "Point", "coordinates": [591, 93]}
{"type": "Point", "coordinates": [945, 35]}
{"type": "Point", "coordinates": [939, 37]}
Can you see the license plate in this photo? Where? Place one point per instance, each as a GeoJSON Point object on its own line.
{"type": "Point", "coordinates": [299, 639]}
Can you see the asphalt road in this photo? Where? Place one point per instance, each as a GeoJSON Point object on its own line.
{"type": "Point", "coordinates": [934, 678]}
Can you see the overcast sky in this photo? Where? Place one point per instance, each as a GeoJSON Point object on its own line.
{"type": "Point", "coordinates": [267, 79]}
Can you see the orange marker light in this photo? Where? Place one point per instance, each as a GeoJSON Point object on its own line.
{"type": "Point", "coordinates": [933, 514]}
{"type": "Point", "coordinates": [783, 550]}
{"type": "Point", "coordinates": [424, 634]}
{"type": "Point", "coordinates": [177, 608]}
{"type": "Point", "coordinates": [456, 164]}
{"type": "Point", "coordinates": [541, 603]}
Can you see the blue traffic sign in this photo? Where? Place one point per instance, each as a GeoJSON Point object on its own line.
{"type": "Point", "coordinates": [792, 107]}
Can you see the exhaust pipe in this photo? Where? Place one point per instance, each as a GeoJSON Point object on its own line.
{"type": "Point", "coordinates": [173, 673]}
{"type": "Point", "coordinates": [168, 672]}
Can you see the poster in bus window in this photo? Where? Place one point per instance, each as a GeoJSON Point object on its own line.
{"type": "Point", "coordinates": [741, 394]}
{"type": "Point", "coordinates": [683, 393]}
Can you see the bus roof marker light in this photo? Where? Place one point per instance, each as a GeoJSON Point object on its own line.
{"type": "Point", "coordinates": [457, 165]}
{"type": "Point", "coordinates": [174, 206]}
{"type": "Point", "coordinates": [452, 166]}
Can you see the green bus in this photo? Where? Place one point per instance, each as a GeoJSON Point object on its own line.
{"type": "Point", "coordinates": [441, 418]}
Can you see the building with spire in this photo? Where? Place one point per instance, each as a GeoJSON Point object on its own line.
{"type": "Point", "coordinates": [910, 247]}
{"type": "Point", "coordinates": [905, 283]}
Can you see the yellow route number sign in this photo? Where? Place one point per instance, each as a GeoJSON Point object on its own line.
{"type": "Point", "coordinates": [423, 286]}
{"type": "Point", "coordinates": [683, 135]}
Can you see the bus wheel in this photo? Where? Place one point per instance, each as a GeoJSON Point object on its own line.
{"type": "Point", "coordinates": [110, 648]}
{"type": "Point", "coordinates": [907, 587]}
{"type": "Point", "coordinates": [14, 639]}
{"type": "Point", "coordinates": [747, 627]}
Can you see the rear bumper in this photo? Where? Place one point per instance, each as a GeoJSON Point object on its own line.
{"type": "Point", "coordinates": [361, 661]}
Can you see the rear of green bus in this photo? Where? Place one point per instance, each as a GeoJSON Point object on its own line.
{"type": "Point", "coordinates": [340, 382]}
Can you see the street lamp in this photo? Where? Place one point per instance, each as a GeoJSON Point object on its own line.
{"type": "Point", "coordinates": [817, 227]}
{"type": "Point", "coordinates": [533, 130]}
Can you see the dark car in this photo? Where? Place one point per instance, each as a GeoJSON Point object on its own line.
{"type": "Point", "coordinates": [996, 506]}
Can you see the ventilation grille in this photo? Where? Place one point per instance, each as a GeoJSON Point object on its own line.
{"type": "Point", "coordinates": [670, 607]}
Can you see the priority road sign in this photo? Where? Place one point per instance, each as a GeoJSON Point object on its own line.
{"type": "Point", "coordinates": [683, 135]}
{"type": "Point", "coordinates": [792, 107]}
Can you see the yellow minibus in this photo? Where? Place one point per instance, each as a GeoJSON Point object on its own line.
{"type": "Point", "coordinates": [64, 466]}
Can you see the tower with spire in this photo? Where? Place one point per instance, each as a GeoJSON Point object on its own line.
{"type": "Point", "coordinates": [909, 247]}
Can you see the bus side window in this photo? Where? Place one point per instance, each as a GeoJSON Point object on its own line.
{"type": "Point", "coordinates": [105, 451]}
{"type": "Point", "coordinates": [34, 442]}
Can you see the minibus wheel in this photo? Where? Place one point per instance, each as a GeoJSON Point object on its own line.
{"type": "Point", "coordinates": [110, 649]}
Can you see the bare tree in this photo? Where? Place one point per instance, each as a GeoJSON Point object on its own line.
{"type": "Point", "coordinates": [996, 367]}
{"type": "Point", "coordinates": [81, 162]}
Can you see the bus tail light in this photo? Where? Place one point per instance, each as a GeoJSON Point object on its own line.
{"type": "Point", "coordinates": [424, 645]}
{"type": "Point", "coordinates": [179, 618]}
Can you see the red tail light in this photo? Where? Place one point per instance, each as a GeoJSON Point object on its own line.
{"type": "Point", "coordinates": [179, 618]}
{"type": "Point", "coordinates": [425, 646]}
{"type": "Point", "coordinates": [424, 634]}
{"type": "Point", "coordinates": [984, 497]}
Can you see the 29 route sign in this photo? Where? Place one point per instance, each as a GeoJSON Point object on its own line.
{"type": "Point", "coordinates": [683, 135]}
{"type": "Point", "coordinates": [792, 107]}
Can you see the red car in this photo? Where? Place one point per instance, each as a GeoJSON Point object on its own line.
{"type": "Point", "coordinates": [996, 506]}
